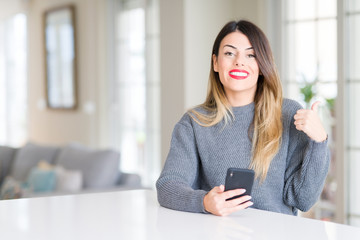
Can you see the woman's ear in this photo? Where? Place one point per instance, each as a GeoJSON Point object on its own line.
{"type": "Point", "coordinates": [214, 58]}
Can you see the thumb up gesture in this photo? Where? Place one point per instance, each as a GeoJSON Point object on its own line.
{"type": "Point", "coordinates": [308, 121]}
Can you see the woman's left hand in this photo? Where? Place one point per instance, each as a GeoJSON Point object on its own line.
{"type": "Point", "coordinates": [308, 121]}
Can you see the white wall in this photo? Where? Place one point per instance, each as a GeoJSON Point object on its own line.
{"type": "Point", "coordinates": [61, 126]}
{"type": "Point", "coordinates": [10, 7]}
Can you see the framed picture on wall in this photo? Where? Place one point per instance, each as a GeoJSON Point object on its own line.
{"type": "Point", "coordinates": [60, 58]}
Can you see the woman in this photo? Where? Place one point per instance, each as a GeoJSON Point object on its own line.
{"type": "Point", "coordinates": [245, 123]}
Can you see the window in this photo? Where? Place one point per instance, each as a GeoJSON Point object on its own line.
{"type": "Point", "coordinates": [13, 81]}
{"type": "Point", "coordinates": [352, 89]}
{"type": "Point", "coordinates": [310, 74]}
{"type": "Point", "coordinates": [135, 88]}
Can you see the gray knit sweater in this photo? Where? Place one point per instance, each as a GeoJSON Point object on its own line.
{"type": "Point", "coordinates": [200, 156]}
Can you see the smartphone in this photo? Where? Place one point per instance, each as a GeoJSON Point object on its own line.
{"type": "Point", "coordinates": [239, 178]}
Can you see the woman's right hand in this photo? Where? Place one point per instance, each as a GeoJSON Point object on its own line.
{"type": "Point", "coordinates": [215, 201]}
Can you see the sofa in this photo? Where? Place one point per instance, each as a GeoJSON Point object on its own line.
{"type": "Point", "coordinates": [38, 170]}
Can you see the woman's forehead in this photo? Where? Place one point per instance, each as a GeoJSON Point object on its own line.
{"type": "Point", "coordinates": [237, 40]}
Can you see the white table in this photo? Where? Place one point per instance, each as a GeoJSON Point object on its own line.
{"type": "Point", "coordinates": [137, 215]}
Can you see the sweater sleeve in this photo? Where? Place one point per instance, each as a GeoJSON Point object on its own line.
{"type": "Point", "coordinates": [177, 186]}
{"type": "Point", "coordinates": [307, 167]}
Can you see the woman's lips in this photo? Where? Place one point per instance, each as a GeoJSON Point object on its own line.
{"type": "Point", "coordinates": [238, 74]}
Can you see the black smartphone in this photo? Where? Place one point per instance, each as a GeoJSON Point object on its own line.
{"type": "Point", "coordinates": [239, 178]}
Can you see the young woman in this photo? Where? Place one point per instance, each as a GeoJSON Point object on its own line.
{"type": "Point", "coordinates": [245, 123]}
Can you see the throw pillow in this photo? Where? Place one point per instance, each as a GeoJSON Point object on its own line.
{"type": "Point", "coordinates": [68, 180]}
{"type": "Point", "coordinates": [6, 157]}
{"type": "Point", "coordinates": [10, 189]}
{"type": "Point", "coordinates": [99, 168]}
{"type": "Point", "coordinates": [42, 180]}
{"type": "Point", "coordinates": [28, 157]}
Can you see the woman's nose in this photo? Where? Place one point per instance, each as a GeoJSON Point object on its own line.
{"type": "Point", "coordinates": [239, 61]}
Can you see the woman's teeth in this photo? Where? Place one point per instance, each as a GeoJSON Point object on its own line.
{"type": "Point", "coordinates": [239, 74]}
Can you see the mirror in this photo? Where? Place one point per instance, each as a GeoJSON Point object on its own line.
{"type": "Point", "coordinates": [60, 58]}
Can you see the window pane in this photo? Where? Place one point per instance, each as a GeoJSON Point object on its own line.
{"type": "Point", "coordinates": [130, 88]}
{"type": "Point", "coordinates": [327, 44]}
{"type": "Point", "coordinates": [301, 9]}
{"type": "Point", "coordinates": [293, 92]}
{"type": "Point", "coordinates": [354, 221]}
{"type": "Point", "coordinates": [327, 90]}
{"type": "Point", "coordinates": [13, 81]}
{"type": "Point", "coordinates": [132, 46]}
{"type": "Point", "coordinates": [326, 8]}
{"type": "Point", "coordinates": [354, 47]}
{"type": "Point", "coordinates": [353, 126]}
{"type": "Point", "coordinates": [305, 51]}
{"type": "Point", "coordinates": [354, 182]}
{"type": "Point", "coordinates": [353, 5]}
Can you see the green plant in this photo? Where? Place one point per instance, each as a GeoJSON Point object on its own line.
{"type": "Point", "coordinates": [331, 104]}
{"type": "Point", "coordinates": [308, 92]}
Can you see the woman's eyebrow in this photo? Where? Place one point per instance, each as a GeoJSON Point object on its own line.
{"type": "Point", "coordinates": [231, 46]}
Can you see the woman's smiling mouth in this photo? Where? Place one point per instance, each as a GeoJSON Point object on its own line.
{"type": "Point", "coordinates": [238, 74]}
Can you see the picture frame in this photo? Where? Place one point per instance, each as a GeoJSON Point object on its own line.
{"type": "Point", "coordinates": [60, 58]}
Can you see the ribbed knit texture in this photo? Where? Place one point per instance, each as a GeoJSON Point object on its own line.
{"type": "Point", "coordinates": [200, 156]}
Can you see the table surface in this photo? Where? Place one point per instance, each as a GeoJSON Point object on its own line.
{"type": "Point", "coordinates": [137, 215]}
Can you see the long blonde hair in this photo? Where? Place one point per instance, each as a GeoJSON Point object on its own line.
{"type": "Point", "coordinates": [266, 129]}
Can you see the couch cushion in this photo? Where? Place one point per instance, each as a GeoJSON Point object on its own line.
{"type": "Point", "coordinates": [6, 158]}
{"type": "Point", "coordinates": [42, 180]}
{"type": "Point", "coordinates": [68, 180]}
{"type": "Point", "coordinates": [100, 168]}
{"type": "Point", "coordinates": [28, 157]}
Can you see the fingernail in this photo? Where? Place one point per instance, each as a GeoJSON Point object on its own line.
{"type": "Point", "coordinates": [242, 191]}
{"type": "Point", "coordinates": [251, 203]}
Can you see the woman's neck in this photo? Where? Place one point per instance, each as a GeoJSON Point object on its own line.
{"type": "Point", "coordinates": [238, 100]}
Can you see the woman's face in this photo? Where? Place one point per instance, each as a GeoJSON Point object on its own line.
{"type": "Point", "coordinates": [238, 69]}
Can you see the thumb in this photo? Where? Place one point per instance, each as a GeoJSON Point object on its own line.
{"type": "Point", "coordinates": [315, 106]}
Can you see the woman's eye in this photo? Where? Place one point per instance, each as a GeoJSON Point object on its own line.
{"type": "Point", "coordinates": [229, 54]}
{"type": "Point", "coordinates": [251, 56]}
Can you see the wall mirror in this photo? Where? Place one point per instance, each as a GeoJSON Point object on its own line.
{"type": "Point", "coordinates": [60, 58]}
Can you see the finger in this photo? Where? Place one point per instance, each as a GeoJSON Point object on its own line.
{"type": "Point", "coordinates": [301, 125]}
{"type": "Point", "coordinates": [237, 201]}
{"type": "Point", "coordinates": [315, 106]}
{"type": "Point", "coordinates": [301, 111]}
{"type": "Point", "coordinates": [233, 193]}
{"type": "Point", "coordinates": [301, 114]}
{"type": "Point", "coordinates": [301, 121]}
{"type": "Point", "coordinates": [243, 206]}
{"type": "Point", "coordinates": [298, 116]}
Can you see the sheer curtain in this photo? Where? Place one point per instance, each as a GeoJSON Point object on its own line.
{"type": "Point", "coordinates": [13, 81]}
{"type": "Point", "coordinates": [135, 88]}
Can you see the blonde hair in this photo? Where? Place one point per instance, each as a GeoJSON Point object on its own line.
{"type": "Point", "coordinates": [266, 128]}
